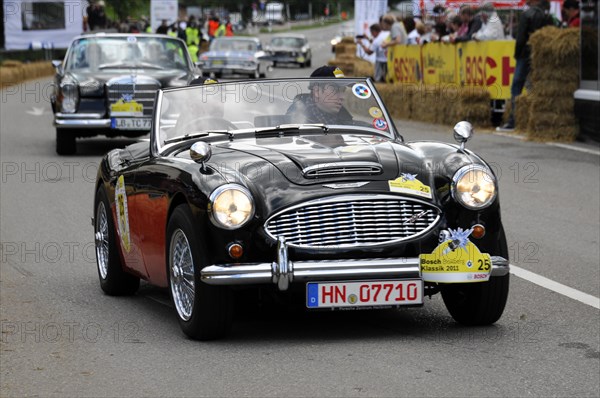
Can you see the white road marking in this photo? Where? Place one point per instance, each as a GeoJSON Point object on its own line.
{"type": "Point", "coordinates": [510, 135]}
{"type": "Point", "coordinates": [555, 286]}
{"type": "Point", "coordinates": [556, 144]}
{"type": "Point", "coordinates": [35, 111]}
{"type": "Point", "coordinates": [575, 148]}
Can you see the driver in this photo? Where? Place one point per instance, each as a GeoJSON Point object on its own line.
{"type": "Point", "coordinates": [325, 102]}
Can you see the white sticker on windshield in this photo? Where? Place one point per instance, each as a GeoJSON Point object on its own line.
{"type": "Point", "coordinates": [361, 91]}
{"type": "Point", "coordinates": [131, 39]}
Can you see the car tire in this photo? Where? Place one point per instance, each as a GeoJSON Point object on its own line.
{"type": "Point", "coordinates": [209, 314]}
{"type": "Point", "coordinates": [114, 281]}
{"type": "Point", "coordinates": [481, 303]}
{"type": "Point", "coordinates": [274, 64]}
{"type": "Point", "coordinates": [65, 142]}
{"type": "Point", "coordinates": [255, 74]}
{"type": "Point", "coordinates": [308, 63]}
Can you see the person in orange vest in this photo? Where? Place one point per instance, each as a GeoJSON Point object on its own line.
{"type": "Point", "coordinates": [228, 28]}
{"type": "Point", "coordinates": [213, 25]}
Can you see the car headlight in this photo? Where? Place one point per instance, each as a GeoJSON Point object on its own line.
{"type": "Point", "coordinates": [474, 187]}
{"type": "Point", "coordinates": [70, 96]}
{"type": "Point", "coordinates": [231, 206]}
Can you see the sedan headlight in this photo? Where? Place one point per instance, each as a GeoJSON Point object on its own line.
{"type": "Point", "coordinates": [70, 96]}
{"type": "Point", "coordinates": [474, 187]}
{"type": "Point", "coordinates": [231, 206]}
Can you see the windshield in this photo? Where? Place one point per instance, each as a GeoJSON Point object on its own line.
{"type": "Point", "coordinates": [103, 53]}
{"type": "Point", "coordinates": [262, 106]}
{"type": "Point", "coordinates": [233, 45]}
{"type": "Point", "coordinates": [287, 42]}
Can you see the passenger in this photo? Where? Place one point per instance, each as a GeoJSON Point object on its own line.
{"type": "Point", "coordinates": [324, 104]}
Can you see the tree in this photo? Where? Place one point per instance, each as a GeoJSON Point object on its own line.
{"type": "Point", "coordinates": [119, 10]}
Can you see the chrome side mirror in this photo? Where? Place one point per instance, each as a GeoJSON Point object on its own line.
{"type": "Point", "coordinates": [463, 131]}
{"type": "Point", "coordinates": [200, 152]}
{"type": "Point", "coordinates": [57, 66]}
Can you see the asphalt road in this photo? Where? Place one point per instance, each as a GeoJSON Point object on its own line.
{"type": "Point", "coordinates": [60, 336]}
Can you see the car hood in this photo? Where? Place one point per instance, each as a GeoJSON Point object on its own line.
{"type": "Point", "coordinates": [92, 82]}
{"type": "Point", "coordinates": [285, 48]}
{"type": "Point", "coordinates": [311, 160]}
{"type": "Point", "coordinates": [229, 54]}
{"type": "Point", "coordinates": [272, 168]}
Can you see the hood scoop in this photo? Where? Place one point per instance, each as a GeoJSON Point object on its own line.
{"type": "Point", "coordinates": [342, 169]}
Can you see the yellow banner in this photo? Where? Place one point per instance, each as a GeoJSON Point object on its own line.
{"type": "Point", "coordinates": [439, 64]}
{"type": "Point", "coordinates": [489, 63]}
{"type": "Point", "coordinates": [473, 64]}
{"type": "Point", "coordinates": [404, 64]}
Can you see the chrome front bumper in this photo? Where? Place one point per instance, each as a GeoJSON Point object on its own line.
{"type": "Point", "coordinates": [81, 120]}
{"type": "Point", "coordinates": [283, 271]}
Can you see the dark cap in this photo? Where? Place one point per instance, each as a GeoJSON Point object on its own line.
{"type": "Point", "coordinates": [327, 71]}
{"type": "Point", "coordinates": [201, 81]}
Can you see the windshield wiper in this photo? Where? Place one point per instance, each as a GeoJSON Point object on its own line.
{"type": "Point", "coordinates": [199, 134]}
{"type": "Point", "coordinates": [282, 129]}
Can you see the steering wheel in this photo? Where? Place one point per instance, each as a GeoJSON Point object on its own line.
{"type": "Point", "coordinates": [215, 123]}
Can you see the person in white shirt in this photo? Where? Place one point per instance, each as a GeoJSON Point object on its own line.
{"type": "Point", "coordinates": [492, 28]}
{"type": "Point", "coordinates": [378, 37]}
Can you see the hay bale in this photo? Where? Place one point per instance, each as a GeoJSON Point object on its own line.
{"type": "Point", "coordinates": [14, 72]}
{"type": "Point", "coordinates": [554, 47]}
{"type": "Point", "coordinates": [397, 98]}
{"type": "Point", "coordinates": [12, 64]}
{"type": "Point", "coordinates": [522, 110]}
{"type": "Point", "coordinates": [552, 90]}
{"type": "Point", "coordinates": [551, 126]}
{"type": "Point", "coordinates": [565, 105]}
{"type": "Point", "coordinates": [554, 77]}
{"type": "Point", "coordinates": [553, 133]}
{"type": "Point", "coordinates": [363, 68]}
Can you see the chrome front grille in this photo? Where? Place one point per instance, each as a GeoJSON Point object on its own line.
{"type": "Point", "coordinates": [142, 91]}
{"type": "Point", "coordinates": [353, 221]}
{"type": "Point", "coordinates": [342, 169]}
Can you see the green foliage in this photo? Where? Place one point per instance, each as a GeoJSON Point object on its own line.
{"type": "Point", "coordinates": [118, 10]}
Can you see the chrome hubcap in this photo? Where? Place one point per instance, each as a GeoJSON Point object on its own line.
{"type": "Point", "coordinates": [181, 267]}
{"type": "Point", "coordinates": [101, 238]}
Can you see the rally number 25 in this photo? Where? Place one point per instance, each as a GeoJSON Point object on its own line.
{"type": "Point", "coordinates": [484, 264]}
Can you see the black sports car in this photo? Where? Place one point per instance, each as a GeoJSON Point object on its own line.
{"type": "Point", "coordinates": [107, 83]}
{"type": "Point", "coordinates": [243, 185]}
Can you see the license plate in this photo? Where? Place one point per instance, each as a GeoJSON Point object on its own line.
{"type": "Point", "coordinates": [364, 294]}
{"type": "Point", "coordinates": [217, 62]}
{"type": "Point", "coordinates": [131, 123]}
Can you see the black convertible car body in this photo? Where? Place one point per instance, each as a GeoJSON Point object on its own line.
{"type": "Point", "coordinates": [239, 187]}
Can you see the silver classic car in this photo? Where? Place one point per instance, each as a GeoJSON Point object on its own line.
{"type": "Point", "coordinates": [290, 48]}
{"type": "Point", "coordinates": [107, 83]}
{"type": "Point", "coordinates": [235, 55]}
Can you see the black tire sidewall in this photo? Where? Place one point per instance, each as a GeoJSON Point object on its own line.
{"type": "Point", "coordinates": [481, 303]}
{"type": "Point", "coordinates": [65, 142]}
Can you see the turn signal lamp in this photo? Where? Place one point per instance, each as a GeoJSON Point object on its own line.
{"type": "Point", "coordinates": [236, 251]}
{"type": "Point", "coordinates": [478, 231]}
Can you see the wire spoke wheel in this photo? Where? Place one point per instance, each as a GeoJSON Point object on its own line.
{"type": "Point", "coordinates": [181, 266]}
{"type": "Point", "coordinates": [101, 240]}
